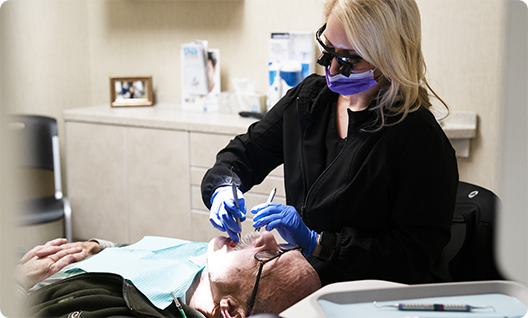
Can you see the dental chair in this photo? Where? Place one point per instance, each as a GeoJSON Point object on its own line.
{"type": "Point", "coordinates": [37, 142]}
{"type": "Point", "coordinates": [470, 255]}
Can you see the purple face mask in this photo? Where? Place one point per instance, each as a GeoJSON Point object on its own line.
{"type": "Point", "coordinates": [353, 84]}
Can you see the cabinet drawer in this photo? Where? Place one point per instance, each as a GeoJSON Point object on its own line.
{"type": "Point", "coordinates": [264, 188]}
{"type": "Point", "coordinates": [204, 147]}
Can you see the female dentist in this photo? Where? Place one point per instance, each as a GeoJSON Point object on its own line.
{"type": "Point", "coordinates": [370, 176]}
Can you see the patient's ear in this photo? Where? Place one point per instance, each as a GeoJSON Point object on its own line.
{"type": "Point", "coordinates": [230, 308]}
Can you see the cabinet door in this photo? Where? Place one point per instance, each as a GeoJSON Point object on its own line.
{"type": "Point", "coordinates": [95, 165]}
{"type": "Point", "coordinates": [125, 183]}
{"type": "Point", "coordinates": [158, 183]}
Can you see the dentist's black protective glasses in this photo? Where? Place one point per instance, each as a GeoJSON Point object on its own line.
{"type": "Point", "coordinates": [263, 257]}
{"type": "Point", "coordinates": [346, 62]}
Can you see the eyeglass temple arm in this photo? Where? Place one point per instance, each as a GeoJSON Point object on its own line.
{"type": "Point", "coordinates": [255, 288]}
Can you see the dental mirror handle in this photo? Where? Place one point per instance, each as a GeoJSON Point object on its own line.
{"type": "Point", "coordinates": [270, 199]}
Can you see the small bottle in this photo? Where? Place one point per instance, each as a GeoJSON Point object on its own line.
{"type": "Point", "coordinates": [274, 88]}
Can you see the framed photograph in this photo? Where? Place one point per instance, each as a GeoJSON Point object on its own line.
{"type": "Point", "coordinates": [131, 91]}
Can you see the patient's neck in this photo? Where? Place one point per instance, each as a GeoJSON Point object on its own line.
{"type": "Point", "coordinates": [199, 295]}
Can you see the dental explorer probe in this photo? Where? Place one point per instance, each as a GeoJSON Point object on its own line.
{"type": "Point", "coordinates": [235, 195]}
{"type": "Point", "coordinates": [270, 199]}
{"type": "Point", "coordinates": [178, 305]}
{"type": "Point", "coordinates": [432, 307]}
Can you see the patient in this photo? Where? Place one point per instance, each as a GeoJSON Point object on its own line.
{"type": "Point", "coordinates": [223, 289]}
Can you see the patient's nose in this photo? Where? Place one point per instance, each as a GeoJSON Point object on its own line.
{"type": "Point", "coordinates": [267, 240]}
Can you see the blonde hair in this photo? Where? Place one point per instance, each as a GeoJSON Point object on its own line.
{"type": "Point", "coordinates": [387, 34]}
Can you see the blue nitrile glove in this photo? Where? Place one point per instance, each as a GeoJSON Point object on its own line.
{"type": "Point", "coordinates": [286, 220]}
{"type": "Point", "coordinates": [223, 211]}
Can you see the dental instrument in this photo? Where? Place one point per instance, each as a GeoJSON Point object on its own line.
{"type": "Point", "coordinates": [270, 199]}
{"type": "Point", "coordinates": [235, 195]}
{"type": "Point", "coordinates": [432, 307]}
{"type": "Point", "coordinates": [179, 306]}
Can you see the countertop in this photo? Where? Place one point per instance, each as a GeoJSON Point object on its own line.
{"type": "Point", "coordinates": [458, 125]}
{"type": "Point", "coordinates": [161, 116]}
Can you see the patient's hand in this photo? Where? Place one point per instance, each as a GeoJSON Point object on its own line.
{"type": "Point", "coordinates": [88, 248]}
{"type": "Point", "coordinates": [46, 260]}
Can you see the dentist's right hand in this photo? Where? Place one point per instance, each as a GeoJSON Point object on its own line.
{"type": "Point", "coordinates": [224, 212]}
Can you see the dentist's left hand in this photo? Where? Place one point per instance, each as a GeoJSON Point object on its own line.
{"type": "Point", "coordinates": [224, 212]}
{"type": "Point", "coordinates": [289, 224]}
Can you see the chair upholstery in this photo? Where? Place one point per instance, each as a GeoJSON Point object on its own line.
{"type": "Point", "coordinates": [39, 143]}
{"type": "Point", "coordinates": [470, 254]}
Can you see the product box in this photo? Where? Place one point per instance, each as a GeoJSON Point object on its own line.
{"type": "Point", "coordinates": [200, 76]}
{"type": "Point", "coordinates": [291, 56]}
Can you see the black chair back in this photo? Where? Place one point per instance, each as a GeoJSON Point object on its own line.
{"type": "Point", "coordinates": [470, 254]}
{"type": "Point", "coordinates": [36, 134]}
{"type": "Point", "coordinates": [37, 146]}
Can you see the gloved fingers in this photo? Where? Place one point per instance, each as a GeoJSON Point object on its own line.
{"type": "Point", "coordinates": [229, 203]}
{"type": "Point", "coordinates": [217, 208]}
{"type": "Point", "coordinates": [259, 207]}
{"type": "Point", "coordinates": [242, 209]}
{"type": "Point", "coordinates": [230, 223]}
{"type": "Point", "coordinates": [217, 223]}
{"type": "Point", "coordinates": [237, 213]}
{"type": "Point", "coordinates": [232, 235]}
{"type": "Point", "coordinates": [265, 220]}
{"type": "Point", "coordinates": [266, 209]}
{"type": "Point", "coordinates": [274, 224]}
{"type": "Point", "coordinates": [214, 217]}
{"type": "Point", "coordinates": [231, 226]}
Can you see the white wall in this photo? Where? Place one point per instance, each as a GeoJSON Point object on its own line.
{"type": "Point", "coordinates": [59, 54]}
{"type": "Point", "coordinates": [512, 245]}
{"type": "Point", "coordinates": [464, 47]}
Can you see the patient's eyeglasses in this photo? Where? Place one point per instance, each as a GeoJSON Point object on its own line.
{"type": "Point", "coordinates": [263, 257]}
{"type": "Point", "coordinates": [346, 62]}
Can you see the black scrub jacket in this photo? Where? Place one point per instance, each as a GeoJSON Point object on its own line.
{"type": "Point", "coordinates": [388, 195]}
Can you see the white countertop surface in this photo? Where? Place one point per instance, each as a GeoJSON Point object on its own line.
{"type": "Point", "coordinates": [458, 125]}
{"type": "Point", "coordinates": [161, 116]}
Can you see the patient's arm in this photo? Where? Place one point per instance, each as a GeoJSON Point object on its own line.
{"type": "Point", "coordinates": [46, 260]}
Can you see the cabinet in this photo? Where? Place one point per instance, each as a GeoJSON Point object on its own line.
{"type": "Point", "coordinates": [133, 172]}
{"type": "Point", "coordinates": [137, 171]}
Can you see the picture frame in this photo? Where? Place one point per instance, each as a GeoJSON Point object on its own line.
{"type": "Point", "coordinates": [131, 91]}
